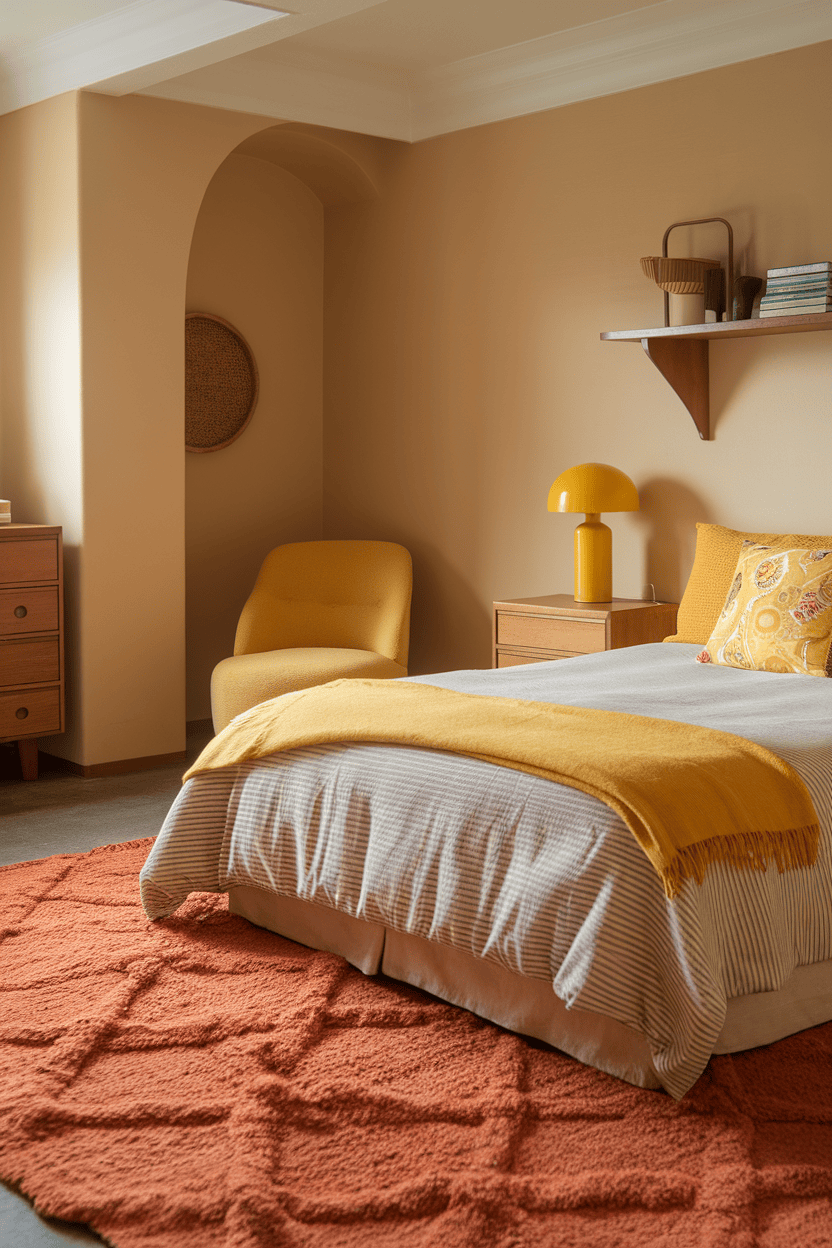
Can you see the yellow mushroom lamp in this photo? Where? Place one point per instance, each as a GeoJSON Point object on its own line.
{"type": "Point", "coordinates": [593, 488]}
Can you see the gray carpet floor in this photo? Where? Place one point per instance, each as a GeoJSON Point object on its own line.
{"type": "Point", "coordinates": [58, 814]}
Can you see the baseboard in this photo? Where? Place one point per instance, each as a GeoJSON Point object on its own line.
{"type": "Point", "coordinates": [118, 767]}
{"type": "Point", "coordinates": [122, 766]}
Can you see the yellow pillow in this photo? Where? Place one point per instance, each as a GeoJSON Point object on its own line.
{"type": "Point", "coordinates": [717, 551]}
{"type": "Point", "coordinates": [778, 613]}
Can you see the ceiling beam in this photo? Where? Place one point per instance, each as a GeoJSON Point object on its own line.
{"type": "Point", "coordinates": [270, 26]}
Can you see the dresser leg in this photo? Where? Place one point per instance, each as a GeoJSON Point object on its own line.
{"type": "Point", "coordinates": [28, 751]}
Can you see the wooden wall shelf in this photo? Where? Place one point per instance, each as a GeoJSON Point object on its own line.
{"type": "Point", "coordinates": [680, 352]}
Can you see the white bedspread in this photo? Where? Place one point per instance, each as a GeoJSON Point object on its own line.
{"type": "Point", "coordinates": [533, 875]}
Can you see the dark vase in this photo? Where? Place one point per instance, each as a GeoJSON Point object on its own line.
{"type": "Point", "coordinates": [745, 292]}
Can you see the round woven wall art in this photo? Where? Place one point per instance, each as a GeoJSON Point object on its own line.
{"type": "Point", "coordinates": [220, 382]}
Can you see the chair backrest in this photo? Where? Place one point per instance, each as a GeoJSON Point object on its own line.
{"type": "Point", "coordinates": [346, 594]}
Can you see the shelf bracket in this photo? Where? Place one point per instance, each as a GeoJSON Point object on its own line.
{"type": "Point", "coordinates": [683, 362]}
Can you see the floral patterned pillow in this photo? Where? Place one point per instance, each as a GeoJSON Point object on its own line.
{"type": "Point", "coordinates": [778, 613]}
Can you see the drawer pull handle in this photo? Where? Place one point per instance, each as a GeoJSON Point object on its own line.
{"type": "Point", "coordinates": [22, 712]}
{"type": "Point", "coordinates": [21, 612]}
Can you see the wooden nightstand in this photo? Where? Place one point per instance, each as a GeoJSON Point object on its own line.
{"type": "Point", "coordinates": [31, 638]}
{"type": "Point", "coordinates": [532, 630]}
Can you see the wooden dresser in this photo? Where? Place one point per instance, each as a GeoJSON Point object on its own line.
{"type": "Point", "coordinates": [31, 638]}
{"type": "Point", "coordinates": [532, 630]}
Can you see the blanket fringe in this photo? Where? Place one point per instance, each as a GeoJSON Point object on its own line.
{"type": "Point", "coordinates": [754, 851]}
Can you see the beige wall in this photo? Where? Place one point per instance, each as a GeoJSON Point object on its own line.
{"type": "Point", "coordinates": [256, 260]}
{"type": "Point", "coordinates": [463, 367]}
{"type": "Point", "coordinates": [40, 348]}
{"type": "Point", "coordinates": [145, 165]}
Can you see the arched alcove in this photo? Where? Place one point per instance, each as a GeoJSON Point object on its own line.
{"type": "Point", "coordinates": [97, 238]}
{"type": "Point", "coordinates": [257, 260]}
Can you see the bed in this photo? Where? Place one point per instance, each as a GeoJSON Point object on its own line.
{"type": "Point", "coordinates": [527, 901]}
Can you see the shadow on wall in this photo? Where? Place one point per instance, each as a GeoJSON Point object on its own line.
{"type": "Point", "coordinates": [670, 512]}
{"type": "Point", "coordinates": [313, 155]}
{"type": "Point", "coordinates": [459, 638]}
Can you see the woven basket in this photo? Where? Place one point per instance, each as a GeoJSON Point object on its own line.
{"type": "Point", "coordinates": [221, 382]}
{"type": "Point", "coordinates": [678, 275]}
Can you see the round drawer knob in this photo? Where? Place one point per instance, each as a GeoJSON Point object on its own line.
{"type": "Point", "coordinates": [21, 612]}
{"type": "Point", "coordinates": [22, 712]}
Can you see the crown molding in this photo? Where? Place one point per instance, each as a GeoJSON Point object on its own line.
{"type": "Point", "coordinates": [235, 55]}
{"type": "Point", "coordinates": [654, 44]}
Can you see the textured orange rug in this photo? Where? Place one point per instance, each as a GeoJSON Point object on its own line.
{"type": "Point", "coordinates": [200, 1083]}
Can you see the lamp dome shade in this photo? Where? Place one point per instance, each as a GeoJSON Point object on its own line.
{"type": "Point", "coordinates": [593, 488]}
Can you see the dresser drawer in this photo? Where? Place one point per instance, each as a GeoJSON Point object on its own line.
{"type": "Point", "coordinates": [35, 560]}
{"type": "Point", "coordinates": [28, 610]}
{"type": "Point", "coordinates": [32, 712]}
{"type": "Point", "coordinates": [30, 661]}
{"type": "Point", "coordinates": [550, 633]}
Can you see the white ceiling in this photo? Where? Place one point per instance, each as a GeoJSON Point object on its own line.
{"type": "Point", "coordinates": [402, 69]}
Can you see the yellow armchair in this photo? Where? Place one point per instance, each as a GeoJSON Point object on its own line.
{"type": "Point", "coordinates": [319, 611]}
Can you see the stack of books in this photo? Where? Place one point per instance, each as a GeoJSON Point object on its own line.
{"type": "Point", "coordinates": [799, 290]}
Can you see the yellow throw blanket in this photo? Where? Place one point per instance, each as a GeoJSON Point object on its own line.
{"type": "Point", "coordinates": [690, 796]}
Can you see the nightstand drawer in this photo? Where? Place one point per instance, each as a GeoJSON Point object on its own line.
{"type": "Point", "coordinates": [513, 658]}
{"type": "Point", "coordinates": [30, 661]}
{"type": "Point", "coordinates": [28, 610]}
{"type": "Point", "coordinates": [29, 713]}
{"type": "Point", "coordinates": [549, 633]}
{"type": "Point", "coordinates": [35, 560]}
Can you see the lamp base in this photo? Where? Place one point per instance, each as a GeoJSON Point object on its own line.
{"type": "Point", "coordinates": [593, 560]}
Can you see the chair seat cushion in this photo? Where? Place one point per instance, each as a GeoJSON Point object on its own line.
{"type": "Point", "coordinates": [245, 680]}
